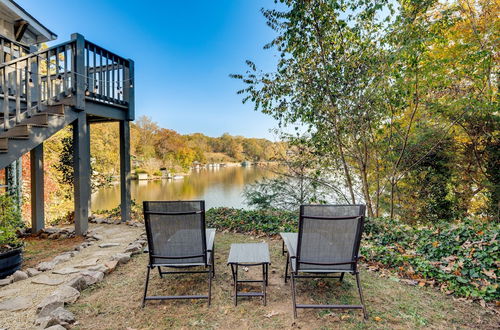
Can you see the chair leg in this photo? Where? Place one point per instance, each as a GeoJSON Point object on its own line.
{"type": "Point", "coordinates": [146, 287]}
{"type": "Point", "coordinates": [365, 314]}
{"type": "Point", "coordinates": [159, 272]}
{"type": "Point", "coordinates": [210, 285]}
{"type": "Point", "coordinates": [286, 268]}
{"type": "Point", "coordinates": [341, 277]}
{"type": "Point", "coordinates": [294, 301]}
{"type": "Point", "coordinates": [213, 264]}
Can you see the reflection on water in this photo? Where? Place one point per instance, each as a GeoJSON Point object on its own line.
{"type": "Point", "coordinates": [218, 187]}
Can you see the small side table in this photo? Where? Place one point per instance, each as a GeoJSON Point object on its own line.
{"type": "Point", "coordinates": [249, 254]}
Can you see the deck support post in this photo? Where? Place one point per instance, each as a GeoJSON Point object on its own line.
{"type": "Point", "coordinates": [125, 170]}
{"type": "Point", "coordinates": [81, 159]}
{"type": "Point", "coordinates": [79, 68]}
{"type": "Point", "coordinates": [37, 189]}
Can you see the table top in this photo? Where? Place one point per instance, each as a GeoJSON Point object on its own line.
{"type": "Point", "coordinates": [251, 253]}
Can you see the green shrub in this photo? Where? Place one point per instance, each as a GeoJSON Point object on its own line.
{"type": "Point", "coordinates": [140, 171]}
{"type": "Point", "coordinates": [462, 258]}
{"type": "Point", "coordinates": [255, 221]}
{"type": "Point", "coordinates": [10, 221]}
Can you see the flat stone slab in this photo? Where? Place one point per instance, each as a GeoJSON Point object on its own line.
{"type": "Point", "coordinates": [8, 293]}
{"type": "Point", "coordinates": [108, 245]}
{"type": "Point", "coordinates": [66, 271]}
{"type": "Point", "coordinates": [43, 279]}
{"type": "Point", "coordinates": [87, 263]}
{"type": "Point", "coordinates": [16, 304]}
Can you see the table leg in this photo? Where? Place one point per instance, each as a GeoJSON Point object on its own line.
{"type": "Point", "coordinates": [236, 285]}
{"type": "Point", "coordinates": [264, 284]}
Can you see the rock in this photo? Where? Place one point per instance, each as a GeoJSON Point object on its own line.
{"type": "Point", "coordinates": [111, 265]}
{"type": "Point", "coordinates": [99, 220]}
{"type": "Point", "coordinates": [46, 322]}
{"type": "Point", "coordinates": [8, 292]}
{"type": "Point", "coordinates": [78, 282]}
{"type": "Point", "coordinates": [5, 281]}
{"type": "Point", "coordinates": [97, 237]}
{"type": "Point", "coordinates": [85, 279]}
{"type": "Point", "coordinates": [32, 272]}
{"type": "Point", "coordinates": [51, 230]}
{"type": "Point", "coordinates": [66, 271]}
{"type": "Point", "coordinates": [56, 327]}
{"type": "Point", "coordinates": [133, 248]}
{"type": "Point", "coordinates": [122, 258]}
{"type": "Point", "coordinates": [117, 222]}
{"type": "Point", "coordinates": [63, 294]}
{"type": "Point", "coordinates": [46, 265]}
{"type": "Point", "coordinates": [19, 276]}
{"type": "Point", "coordinates": [54, 236]}
{"type": "Point", "coordinates": [44, 235]}
{"type": "Point", "coordinates": [92, 277]}
{"type": "Point", "coordinates": [107, 245]}
{"type": "Point", "coordinates": [15, 304]}
{"type": "Point", "coordinates": [63, 316]}
{"type": "Point", "coordinates": [63, 236]}
{"type": "Point", "coordinates": [87, 263]}
{"type": "Point", "coordinates": [141, 241]}
{"type": "Point", "coordinates": [47, 280]}
{"type": "Point", "coordinates": [99, 268]}
{"type": "Point", "coordinates": [61, 258]}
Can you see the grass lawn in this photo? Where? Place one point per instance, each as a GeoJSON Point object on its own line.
{"type": "Point", "coordinates": [115, 302]}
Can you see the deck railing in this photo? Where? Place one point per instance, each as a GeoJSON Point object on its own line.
{"type": "Point", "coordinates": [77, 68]}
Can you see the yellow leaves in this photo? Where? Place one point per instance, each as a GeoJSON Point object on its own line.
{"type": "Point", "coordinates": [435, 243]}
{"type": "Point", "coordinates": [377, 318]}
{"type": "Point", "coordinates": [345, 317]}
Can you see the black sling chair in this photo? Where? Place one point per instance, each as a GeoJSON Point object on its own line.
{"type": "Point", "coordinates": [177, 239]}
{"type": "Point", "coordinates": [327, 243]}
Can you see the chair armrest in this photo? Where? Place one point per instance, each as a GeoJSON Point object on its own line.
{"type": "Point", "coordinates": [210, 237]}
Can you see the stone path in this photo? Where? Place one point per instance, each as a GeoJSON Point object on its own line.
{"type": "Point", "coordinates": [38, 301]}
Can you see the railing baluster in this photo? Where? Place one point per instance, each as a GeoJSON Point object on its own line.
{"type": "Point", "coordinates": [5, 104]}
{"type": "Point", "coordinates": [65, 85]}
{"type": "Point", "coordinates": [57, 86]}
{"type": "Point", "coordinates": [94, 87]}
{"type": "Point", "coordinates": [27, 86]}
{"type": "Point", "coordinates": [48, 80]}
{"type": "Point", "coordinates": [101, 77]}
{"type": "Point", "coordinates": [87, 68]}
{"type": "Point", "coordinates": [113, 77]}
{"type": "Point", "coordinates": [17, 79]}
{"type": "Point", "coordinates": [108, 94]}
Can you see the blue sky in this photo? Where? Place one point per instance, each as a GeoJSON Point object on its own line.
{"type": "Point", "coordinates": [183, 53]}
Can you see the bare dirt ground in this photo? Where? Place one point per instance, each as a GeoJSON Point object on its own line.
{"type": "Point", "coordinates": [115, 302]}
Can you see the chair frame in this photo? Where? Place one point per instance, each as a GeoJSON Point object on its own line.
{"type": "Point", "coordinates": [294, 275]}
{"type": "Point", "coordinates": [209, 267]}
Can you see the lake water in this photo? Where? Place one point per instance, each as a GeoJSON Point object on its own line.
{"type": "Point", "coordinates": [217, 186]}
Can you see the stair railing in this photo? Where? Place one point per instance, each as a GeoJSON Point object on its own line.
{"type": "Point", "coordinates": [77, 68]}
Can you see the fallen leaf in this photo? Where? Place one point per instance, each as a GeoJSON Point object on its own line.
{"type": "Point", "coordinates": [345, 317]}
{"type": "Point", "coordinates": [377, 318]}
{"type": "Point", "coordinates": [490, 273]}
{"type": "Point", "coordinates": [271, 314]}
{"type": "Point", "coordinates": [421, 283]}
